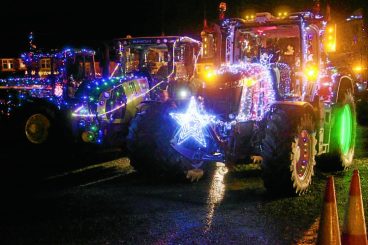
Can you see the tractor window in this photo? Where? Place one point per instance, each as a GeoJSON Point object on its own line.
{"type": "Point", "coordinates": [280, 42]}
{"type": "Point", "coordinates": [140, 57]}
{"type": "Point", "coordinates": [79, 69]}
{"type": "Point", "coordinates": [132, 59]}
{"type": "Point", "coordinates": [152, 57]}
{"type": "Point", "coordinates": [208, 50]}
{"type": "Point", "coordinates": [312, 44]}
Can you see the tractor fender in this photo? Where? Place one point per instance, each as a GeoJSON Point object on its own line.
{"type": "Point", "coordinates": [31, 102]}
{"type": "Point", "coordinates": [294, 107]}
{"type": "Point", "coordinates": [343, 84]}
{"type": "Point", "coordinates": [145, 104]}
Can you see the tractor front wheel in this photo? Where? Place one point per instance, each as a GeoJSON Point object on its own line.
{"type": "Point", "coordinates": [149, 145]}
{"type": "Point", "coordinates": [288, 151]}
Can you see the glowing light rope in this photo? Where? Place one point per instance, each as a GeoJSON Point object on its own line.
{"type": "Point", "coordinates": [115, 69]}
{"type": "Point", "coordinates": [192, 124]}
{"type": "Point", "coordinates": [83, 112]}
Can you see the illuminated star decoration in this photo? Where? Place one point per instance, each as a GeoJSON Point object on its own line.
{"type": "Point", "coordinates": [192, 123]}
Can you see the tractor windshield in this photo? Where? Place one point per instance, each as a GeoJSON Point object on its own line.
{"type": "Point", "coordinates": [79, 68]}
{"type": "Point", "coordinates": [280, 42]}
{"type": "Point", "coordinates": [152, 57]}
{"type": "Point", "coordinates": [158, 59]}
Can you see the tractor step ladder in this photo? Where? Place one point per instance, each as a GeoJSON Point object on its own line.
{"type": "Point", "coordinates": [325, 131]}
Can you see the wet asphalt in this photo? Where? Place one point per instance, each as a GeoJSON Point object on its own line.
{"type": "Point", "coordinates": [102, 200]}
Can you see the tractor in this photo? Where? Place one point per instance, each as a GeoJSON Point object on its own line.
{"type": "Point", "coordinates": [61, 101]}
{"type": "Point", "coordinates": [269, 95]}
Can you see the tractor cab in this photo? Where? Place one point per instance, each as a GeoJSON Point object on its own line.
{"type": "Point", "coordinates": [276, 44]}
{"type": "Point", "coordinates": [79, 63]}
{"type": "Point", "coordinates": [167, 61]}
{"type": "Point", "coordinates": [288, 46]}
{"type": "Point", "coordinates": [160, 57]}
{"type": "Point", "coordinates": [63, 69]}
{"type": "Point", "coordinates": [76, 62]}
{"type": "Point", "coordinates": [79, 68]}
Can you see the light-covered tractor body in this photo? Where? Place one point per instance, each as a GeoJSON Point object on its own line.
{"type": "Point", "coordinates": [274, 98]}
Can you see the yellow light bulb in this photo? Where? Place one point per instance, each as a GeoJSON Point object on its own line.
{"type": "Point", "coordinates": [358, 68]}
{"type": "Point", "coordinates": [249, 82]}
{"type": "Point", "coordinates": [311, 73]}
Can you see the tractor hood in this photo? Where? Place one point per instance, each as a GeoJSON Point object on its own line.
{"type": "Point", "coordinates": [93, 89]}
{"type": "Point", "coordinates": [244, 91]}
{"type": "Point", "coordinates": [103, 97]}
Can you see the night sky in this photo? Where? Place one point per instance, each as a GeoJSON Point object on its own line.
{"type": "Point", "coordinates": [80, 23]}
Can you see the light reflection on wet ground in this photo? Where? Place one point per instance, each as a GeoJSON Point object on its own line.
{"type": "Point", "coordinates": [216, 193]}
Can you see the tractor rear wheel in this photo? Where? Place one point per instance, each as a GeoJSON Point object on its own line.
{"type": "Point", "coordinates": [35, 127]}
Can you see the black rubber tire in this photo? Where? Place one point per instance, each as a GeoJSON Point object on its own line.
{"type": "Point", "coordinates": [148, 143]}
{"type": "Point", "coordinates": [279, 149]}
{"type": "Point", "coordinates": [336, 160]}
{"type": "Point", "coordinates": [21, 123]}
{"type": "Point", "coordinates": [56, 135]}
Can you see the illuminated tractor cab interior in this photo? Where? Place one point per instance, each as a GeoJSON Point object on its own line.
{"type": "Point", "coordinates": [277, 46]}
{"type": "Point", "coordinates": [280, 46]}
{"type": "Point", "coordinates": [160, 56]}
{"type": "Point", "coordinates": [164, 60]}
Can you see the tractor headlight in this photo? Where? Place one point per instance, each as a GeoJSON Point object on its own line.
{"type": "Point", "coordinates": [357, 69]}
{"type": "Point", "coordinates": [248, 82]}
{"type": "Point", "coordinates": [183, 93]}
{"type": "Point", "coordinates": [311, 72]}
{"type": "Point", "coordinates": [209, 74]}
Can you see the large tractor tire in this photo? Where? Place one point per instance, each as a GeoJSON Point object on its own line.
{"type": "Point", "coordinates": [37, 131]}
{"type": "Point", "coordinates": [288, 151]}
{"type": "Point", "coordinates": [343, 133]}
{"type": "Point", "coordinates": [34, 126]}
{"type": "Point", "coordinates": [149, 146]}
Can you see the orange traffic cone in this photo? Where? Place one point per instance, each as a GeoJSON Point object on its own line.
{"type": "Point", "coordinates": [329, 231]}
{"type": "Point", "coordinates": [354, 231]}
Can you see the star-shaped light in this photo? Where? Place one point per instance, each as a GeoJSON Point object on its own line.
{"type": "Point", "coordinates": [192, 124]}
